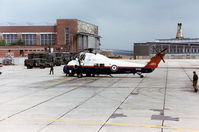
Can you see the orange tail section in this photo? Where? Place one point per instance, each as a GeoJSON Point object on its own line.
{"type": "Point", "coordinates": [153, 63]}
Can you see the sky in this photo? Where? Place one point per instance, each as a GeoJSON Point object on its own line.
{"type": "Point", "coordinates": [120, 22]}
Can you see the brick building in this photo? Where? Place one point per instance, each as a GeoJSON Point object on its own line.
{"type": "Point", "coordinates": [68, 35]}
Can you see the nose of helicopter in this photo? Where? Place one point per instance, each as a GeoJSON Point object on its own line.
{"type": "Point", "coordinates": [65, 69]}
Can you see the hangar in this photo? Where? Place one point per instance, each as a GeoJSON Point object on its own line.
{"type": "Point", "coordinates": [177, 48]}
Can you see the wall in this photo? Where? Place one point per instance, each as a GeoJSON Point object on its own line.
{"type": "Point", "coordinates": [62, 24]}
{"type": "Point", "coordinates": [15, 50]}
{"type": "Point", "coordinates": [89, 31]}
{"type": "Point", "coordinates": [87, 28]}
{"type": "Point", "coordinates": [19, 29]}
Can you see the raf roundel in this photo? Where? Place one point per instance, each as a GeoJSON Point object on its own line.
{"type": "Point", "coordinates": [114, 68]}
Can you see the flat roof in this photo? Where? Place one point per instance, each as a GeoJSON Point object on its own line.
{"type": "Point", "coordinates": [177, 43]}
{"type": "Point", "coordinates": [180, 40]}
{"type": "Point", "coordinates": [27, 29]}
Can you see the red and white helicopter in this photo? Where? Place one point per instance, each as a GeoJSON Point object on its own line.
{"type": "Point", "coordinates": [95, 63]}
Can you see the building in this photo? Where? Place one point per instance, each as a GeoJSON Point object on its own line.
{"type": "Point", "coordinates": [177, 48]}
{"type": "Point", "coordinates": [68, 35]}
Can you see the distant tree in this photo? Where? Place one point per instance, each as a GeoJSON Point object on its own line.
{"type": "Point", "coordinates": [18, 42]}
{"type": "Point", "coordinates": [2, 42]}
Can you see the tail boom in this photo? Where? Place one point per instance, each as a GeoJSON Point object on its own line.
{"type": "Point", "coordinates": [153, 63]}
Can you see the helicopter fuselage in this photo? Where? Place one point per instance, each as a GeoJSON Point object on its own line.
{"type": "Point", "coordinates": [98, 64]}
{"type": "Point", "coordinates": [71, 69]}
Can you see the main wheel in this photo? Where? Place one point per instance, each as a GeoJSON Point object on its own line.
{"type": "Point", "coordinates": [29, 67]}
{"type": "Point", "coordinates": [88, 74]}
{"type": "Point", "coordinates": [141, 76]}
{"type": "Point", "coordinates": [71, 74]}
{"type": "Point", "coordinates": [79, 75]}
{"type": "Point", "coordinates": [42, 67]}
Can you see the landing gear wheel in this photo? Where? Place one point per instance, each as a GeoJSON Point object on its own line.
{"type": "Point", "coordinates": [88, 74]}
{"type": "Point", "coordinates": [141, 76]}
{"type": "Point", "coordinates": [42, 67]}
{"type": "Point", "coordinates": [79, 75]}
{"type": "Point", "coordinates": [71, 74]}
{"type": "Point", "coordinates": [29, 67]}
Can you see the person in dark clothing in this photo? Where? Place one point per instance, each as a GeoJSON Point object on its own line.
{"type": "Point", "coordinates": [195, 81]}
{"type": "Point", "coordinates": [0, 69]}
{"type": "Point", "coordinates": [51, 70]}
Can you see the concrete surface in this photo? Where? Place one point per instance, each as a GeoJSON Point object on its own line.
{"type": "Point", "coordinates": [31, 100]}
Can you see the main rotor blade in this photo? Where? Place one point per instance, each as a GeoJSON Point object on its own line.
{"type": "Point", "coordinates": [155, 49]}
{"type": "Point", "coordinates": [163, 50]}
{"type": "Point", "coordinates": [162, 59]}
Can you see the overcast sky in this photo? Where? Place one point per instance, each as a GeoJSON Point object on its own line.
{"type": "Point", "coordinates": [121, 22]}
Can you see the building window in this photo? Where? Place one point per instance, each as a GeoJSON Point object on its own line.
{"type": "Point", "coordinates": [48, 39]}
{"type": "Point", "coordinates": [10, 38]}
{"type": "Point", "coordinates": [67, 35]}
{"type": "Point", "coordinates": [85, 42]}
{"type": "Point", "coordinates": [80, 42]}
{"type": "Point", "coordinates": [29, 39]}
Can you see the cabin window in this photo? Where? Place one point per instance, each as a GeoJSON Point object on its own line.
{"type": "Point", "coordinates": [101, 65]}
{"type": "Point", "coordinates": [96, 65]}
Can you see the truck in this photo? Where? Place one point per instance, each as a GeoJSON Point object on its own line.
{"type": "Point", "coordinates": [44, 60]}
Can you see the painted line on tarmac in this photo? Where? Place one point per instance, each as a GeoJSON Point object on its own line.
{"type": "Point", "coordinates": [107, 123]}
{"type": "Point", "coordinates": [51, 84]}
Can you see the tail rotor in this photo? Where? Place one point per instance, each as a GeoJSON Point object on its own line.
{"type": "Point", "coordinates": [159, 53]}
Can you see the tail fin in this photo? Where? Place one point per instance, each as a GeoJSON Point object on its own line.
{"type": "Point", "coordinates": [153, 63]}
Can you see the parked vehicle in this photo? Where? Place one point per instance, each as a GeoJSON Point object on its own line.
{"type": "Point", "coordinates": [8, 60]}
{"type": "Point", "coordinates": [44, 60]}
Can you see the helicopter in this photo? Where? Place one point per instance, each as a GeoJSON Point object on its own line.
{"type": "Point", "coordinates": [92, 64]}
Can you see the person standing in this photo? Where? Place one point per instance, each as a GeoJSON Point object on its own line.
{"type": "Point", "coordinates": [51, 70]}
{"type": "Point", "coordinates": [0, 68]}
{"type": "Point", "coordinates": [195, 81]}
